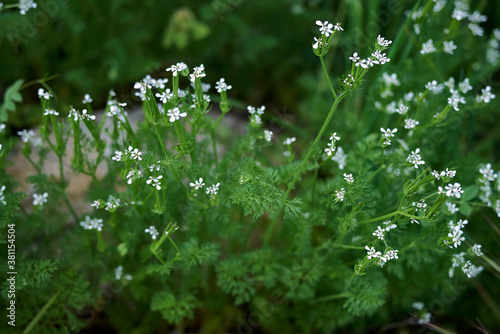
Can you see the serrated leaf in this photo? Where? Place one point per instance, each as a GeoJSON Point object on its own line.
{"type": "Point", "coordinates": [11, 96]}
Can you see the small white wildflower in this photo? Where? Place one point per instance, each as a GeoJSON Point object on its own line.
{"type": "Point", "coordinates": [476, 29]}
{"type": "Point", "coordinates": [456, 236]}
{"type": "Point", "coordinates": [318, 42]}
{"type": "Point", "coordinates": [415, 159]}
{"type": "Point", "coordinates": [459, 14]}
{"type": "Point", "coordinates": [2, 196]}
{"type": "Point", "coordinates": [392, 254]}
{"type": "Point", "coordinates": [389, 225]}
{"type": "Point", "coordinates": [355, 58]}
{"type": "Point", "coordinates": [175, 69]}
{"type": "Point", "coordinates": [198, 72]}
{"type": "Point", "coordinates": [212, 190]}
{"type": "Point", "coordinates": [383, 42]}
{"type": "Point", "coordinates": [96, 204]}
{"type": "Point", "coordinates": [118, 156]}
{"type": "Point", "coordinates": [465, 86]}
{"type": "Point", "coordinates": [449, 47]}
{"type": "Point", "coordinates": [43, 94]}
{"type": "Point", "coordinates": [454, 190]}
{"type": "Point", "coordinates": [340, 157]}
{"type": "Point", "coordinates": [486, 95]}
{"type": "Point", "coordinates": [92, 223]}
{"type": "Point", "coordinates": [379, 233]}
{"type": "Point", "coordinates": [152, 231]}
{"type": "Point", "coordinates": [86, 115]}
{"type": "Point", "coordinates": [428, 47]}
{"type": "Point", "coordinates": [452, 207]}
{"type": "Point", "coordinates": [339, 194]}
{"type": "Point", "coordinates": [133, 175]}
{"type": "Point", "coordinates": [135, 154]}
{"type": "Point", "coordinates": [372, 253]}
{"type": "Point", "coordinates": [166, 96]}
{"type": "Point", "coordinates": [222, 86]}
{"type": "Point", "coordinates": [87, 99]}
{"type": "Point", "coordinates": [155, 182]}
{"type": "Point", "coordinates": [289, 141]}
{"type": "Point", "coordinates": [175, 114]}
{"type": "Point", "coordinates": [25, 6]}
{"type": "Point", "coordinates": [348, 177]}
{"type": "Point", "coordinates": [338, 27]}
{"type": "Point", "coordinates": [268, 135]}
{"type": "Point", "coordinates": [414, 221]}
{"type": "Point", "coordinates": [325, 27]}
{"type": "Point", "coordinates": [418, 306]}
{"type": "Point", "coordinates": [50, 112]}
{"type": "Point", "coordinates": [40, 199]}
{"type": "Point", "coordinates": [476, 249]}
{"type": "Point", "coordinates": [434, 87]}
{"type": "Point", "coordinates": [387, 133]}
{"type": "Point", "coordinates": [410, 123]}
{"type": "Point", "coordinates": [197, 184]}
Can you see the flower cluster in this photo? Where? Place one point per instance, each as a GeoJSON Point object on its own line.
{"type": "Point", "coordinates": [29, 136]}
{"type": "Point", "coordinates": [153, 231]}
{"type": "Point", "coordinates": [92, 224]}
{"type": "Point", "coordinates": [451, 190]}
{"type": "Point", "coordinates": [331, 145]}
{"type": "Point", "coordinates": [372, 253]}
{"type": "Point", "coordinates": [255, 115]}
{"type": "Point", "coordinates": [80, 115]}
{"type": "Point", "coordinates": [40, 199]}
{"type": "Point", "coordinates": [415, 159]}
{"type": "Point", "coordinates": [387, 134]}
{"type": "Point", "coordinates": [222, 86]}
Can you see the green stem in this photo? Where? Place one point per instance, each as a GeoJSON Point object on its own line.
{"type": "Point", "coordinates": [331, 297]}
{"type": "Point", "coordinates": [327, 76]}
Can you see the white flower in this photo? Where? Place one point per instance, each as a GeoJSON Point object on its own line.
{"type": "Point", "coordinates": [488, 173]}
{"type": "Point", "coordinates": [486, 95]}
{"type": "Point", "coordinates": [454, 190]}
{"type": "Point", "coordinates": [391, 79]}
{"type": "Point", "coordinates": [40, 199]}
{"type": "Point", "coordinates": [379, 233]}
{"type": "Point", "coordinates": [340, 157]}
{"type": "Point", "coordinates": [476, 249]}
{"type": "Point", "coordinates": [471, 270]}
{"type": "Point", "coordinates": [465, 86]}
{"type": "Point", "coordinates": [389, 225]}
{"type": "Point", "coordinates": [413, 220]}
{"type": "Point", "coordinates": [154, 167]}
{"type": "Point", "coordinates": [392, 254]}
{"type": "Point", "coordinates": [355, 58]}
{"type": "Point", "coordinates": [329, 151]}
{"type": "Point", "coordinates": [198, 72]}
{"type": "Point", "coordinates": [153, 231]}
{"type": "Point", "coordinates": [135, 154]}
{"type": "Point", "coordinates": [338, 27]}
{"type": "Point", "coordinates": [452, 207]}
{"type": "Point", "coordinates": [155, 182]}
{"type": "Point", "coordinates": [459, 14]}
{"type": "Point", "coordinates": [212, 190]}
{"type": "Point", "coordinates": [43, 94]}
{"type": "Point", "coordinates": [30, 137]}
{"type": "Point", "coordinates": [96, 204]}
{"type": "Point", "coordinates": [415, 159]}
{"type": "Point", "coordinates": [2, 196]}
{"type": "Point", "coordinates": [179, 67]}
{"type": "Point", "coordinates": [92, 223]}
{"type": "Point", "coordinates": [133, 175]}
{"type": "Point", "coordinates": [197, 184]}
{"type": "Point", "coordinates": [372, 253]}
{"type": "Point", "coordinates": [339, 194]}
{"type": "Point", "coordinates": [25, 6]}
{"type": "Point", "coordinates": [387, 133]}
{"type": "Point", "coordinates": [2, 127]}
{"type": "Point", "coordinates": [268, 135]}
{"type": "Point", "coordinates": [455, 99]}
{"type": "Point", "coordinates": [348, 177]}
{"type": "Point", "coordinates": [449, 47]}
{"type": "Point", "coordinates": [427, 47]}
{"type": "Point", "coordinates": [87, 116]}
{"type": "Point", "coordinates": [317, 43]}
{"type": "Point", "coordinates": [476, 17]}
{"type": "Point", "coordinates": [476, 29]}
{"type": "Point", "coordinates": [175, 114]}
{"type": "Point", "coordinates": [456, 236]}
{"type": "Point", "coordinates": [334, 137]}
{"type": "Point", "coordinates": [434, 87]}
{"type": "Point", "coordinates": [289, 141]}
{"type": "Point", "coordinates": [325, 28]}
{"type": "Point", "coordinates": [382, 41]}
{"type": "Point", "coordinates": [118, 156]}
{"type": "Point", "coordinates": [118, 272]}
{"type": "Point", "coordinates": [165, 96]}
{"type": "Point", "coordinates": [86, 99]}
{"type": "Point", "coordinates": [418, 306]}
{"type": "Point", "coordinates": [222, 86]}
{"type": "Point", "coordinates": [410, 123]}
{"type": "Point", "coordinates": [50, 112]}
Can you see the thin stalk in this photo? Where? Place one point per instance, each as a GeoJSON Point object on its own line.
{"type": "Point", "coordinates": [327, 76]}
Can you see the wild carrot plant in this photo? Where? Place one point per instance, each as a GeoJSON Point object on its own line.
{"type": "Point", "coordinates": [189, 225]}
